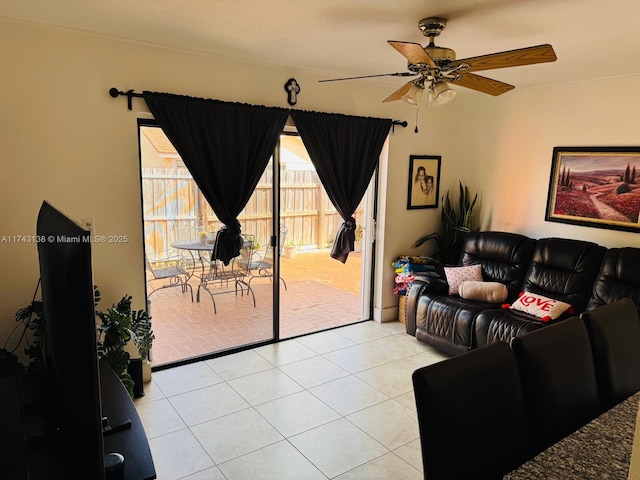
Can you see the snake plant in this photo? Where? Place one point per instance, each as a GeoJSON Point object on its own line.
{"type": "Point", "coordinates": [454, 224]}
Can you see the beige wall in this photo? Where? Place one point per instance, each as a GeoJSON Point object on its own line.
{"type": "Point", "coordinates": [512, 139]}
{"type": "Point", "coordinates": [65, 140]}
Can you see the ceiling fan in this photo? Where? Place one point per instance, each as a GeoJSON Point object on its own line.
{"type": "Point", "coordinates": [435, 67]}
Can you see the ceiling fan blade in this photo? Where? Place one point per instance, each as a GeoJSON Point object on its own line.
{"type": "Point", "coordinates": [413, 52]}
{"type": "Point", "coordinates": [483, 84]}
{"type": "Point", "coordinates": [401, 74]}
{"type": "Point", "coordinates": [397, 95]}
{"type": "Point", "coordinates": [511, 58]}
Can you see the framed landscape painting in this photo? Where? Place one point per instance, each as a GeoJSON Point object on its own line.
{"type": "Point", "coordinates": [595, 187]}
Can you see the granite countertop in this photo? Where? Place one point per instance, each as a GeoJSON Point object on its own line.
{"type": "Point", "coordinates": [600, 450]}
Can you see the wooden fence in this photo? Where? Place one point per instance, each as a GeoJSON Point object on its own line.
{"type": "Point", "coordinates": [175, 210]}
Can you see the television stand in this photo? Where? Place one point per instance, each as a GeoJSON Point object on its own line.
{"type": "Point", "coordinates": [130, 442]}
{"type": "Point", "coordinates": [26, 452]}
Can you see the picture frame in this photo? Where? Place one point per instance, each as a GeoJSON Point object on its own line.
{"type": "Point", "coordinates": [424, 181]}
{"type": "Point", "coordinates": [595, 187]}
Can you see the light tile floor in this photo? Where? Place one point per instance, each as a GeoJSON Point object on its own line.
{"type": "Point", "coordinates": [331, 405]}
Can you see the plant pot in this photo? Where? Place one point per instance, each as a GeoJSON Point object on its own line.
{"type": "Point", "coordinates": [146, 371]}
{"type": "Point", "coordinates": [135, 370]}
{"type": "Point", "coordinates": [289, 251]}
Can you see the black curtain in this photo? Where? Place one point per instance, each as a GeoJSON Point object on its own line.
{"type": "Point", "coordinates": [345, 151]}
{"type": "Point", "coordinates": [226, 147]}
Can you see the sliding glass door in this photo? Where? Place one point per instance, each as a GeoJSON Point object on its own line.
{"type": "Point", "coordinates": [322, 292]}
{"type": "Point", "coordinates": [229, 309]}
{"type": "Point", "coordinates": [284, 283]}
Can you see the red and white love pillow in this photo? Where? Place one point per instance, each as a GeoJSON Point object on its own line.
{"type": "Point", "coordinates": [545, 308]}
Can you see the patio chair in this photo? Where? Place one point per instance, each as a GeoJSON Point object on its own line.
{"type": "Point", "coordinates": [228, 278]}
{"type": "Point", "coordinates": [167, 272]}
{"type": "Point", "coordinates": [261, 263]}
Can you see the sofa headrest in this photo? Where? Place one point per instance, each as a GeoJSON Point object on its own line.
{"type": "Point", "coordinates": [505, 257]}
{"type": "Point", "coordinates": [619, 277]}
{"type": "Point", "coordinates": [564, 269]}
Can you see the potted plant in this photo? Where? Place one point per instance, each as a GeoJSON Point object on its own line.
{"type": "Point", "coordinates": [117, 326]}
{"type": "Point", "coordinates": [357, 244]}
{"type": "Point", "coordinates": [454, 224]}
{"type": "Point", "coordinates": [289, 250]}
{"type": "Point", "coordinates": [30, 322]}
{"type": "Point", "coordinates": [248, 249]}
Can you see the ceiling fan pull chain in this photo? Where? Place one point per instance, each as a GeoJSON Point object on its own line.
{"type": "Point", "coordinates": [416, 129]}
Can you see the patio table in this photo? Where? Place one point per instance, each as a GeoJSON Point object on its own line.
{"type": "Point", "coordinates": [214, 274]}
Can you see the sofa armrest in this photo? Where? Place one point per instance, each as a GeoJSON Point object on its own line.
{"type": "Point", "coordinates": [434, 284]}
{"type": "Point", "coordinates": [421, 284]}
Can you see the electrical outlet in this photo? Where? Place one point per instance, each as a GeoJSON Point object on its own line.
{"type": "Point", "coordinates": [88, 224]}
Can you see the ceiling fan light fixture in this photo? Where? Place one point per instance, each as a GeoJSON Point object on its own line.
{"type": "Point", "coordinates": [436, 66]}
{"type": "Point", "coordinates": [442, 93]}
{"type": "Point", "coordinates": [413, 96]}
{"type": "Point", "coordinates": [430, 97]}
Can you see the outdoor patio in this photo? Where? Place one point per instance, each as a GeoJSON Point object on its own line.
{"type": "Point", "coordinates": [321, 293]}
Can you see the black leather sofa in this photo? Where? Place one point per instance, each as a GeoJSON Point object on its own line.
{"type": "Point", "coordinates": [582, 274]}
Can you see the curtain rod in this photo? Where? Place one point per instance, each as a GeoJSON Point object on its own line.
{"type": "Point", "coordinates": [115, 93]}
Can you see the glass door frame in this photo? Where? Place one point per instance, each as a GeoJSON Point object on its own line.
{"type": "Point", "coordinates": [368, 252]}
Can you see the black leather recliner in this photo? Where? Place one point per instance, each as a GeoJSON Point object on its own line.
{"type": "Point", "coordinates": [619, 277]}
{"type": "Point", "coordinates": [448, 321]}
{"type": "Point", "coordinates": [559, 268]}
{"type": "Point", "coordinates": [562, 269]}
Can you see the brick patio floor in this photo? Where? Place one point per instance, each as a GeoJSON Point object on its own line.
{"type": "Point", "coordinates": [321, 293]}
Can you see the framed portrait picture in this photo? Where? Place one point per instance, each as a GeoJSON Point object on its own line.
{"type": "Point", "coordinates": [595, 187]}
{"type": "Point", "coordinates": [424, 181]}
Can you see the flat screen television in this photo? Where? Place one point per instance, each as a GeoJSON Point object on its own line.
{"type": "Point", "coordinates": [73, 402]}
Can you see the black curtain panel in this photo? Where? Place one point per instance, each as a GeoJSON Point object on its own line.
{"type": "Point", "coordinates": [226, 147]}
{"type": "Point", "coordinates": [345, 151]}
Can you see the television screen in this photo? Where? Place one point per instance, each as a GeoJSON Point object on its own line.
{"type": "Point", "coordinates": [69, 345]}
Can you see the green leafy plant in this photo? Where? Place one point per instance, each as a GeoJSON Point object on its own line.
{"type": "Point", "coordinates": [30, 321]}
{"type": "Point", "coordinates": [358, 233]}
{"type": "Point", "coordinates": [119, 325]}
{"type": "Point", "coordinates": [33, 320]}
{"type": "Point", "coordinates": [454, 224]}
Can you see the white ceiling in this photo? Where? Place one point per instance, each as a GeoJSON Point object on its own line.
{"type": "Point", "coordinates": [592, 38]}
